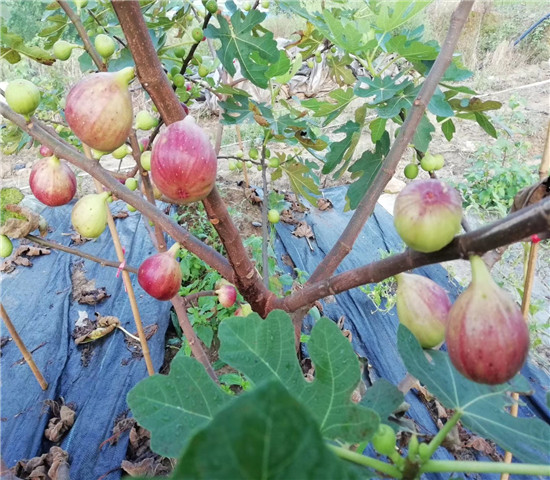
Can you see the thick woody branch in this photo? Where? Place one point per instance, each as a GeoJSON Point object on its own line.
{"type": "Point", "coordinates": [63, 150]}
{"type": "Point", "coordinates": [365, 208]}
{"type": "Point", "coordinates": [151, 75]}
{"type": "Point", "coordinates": [531, 220]}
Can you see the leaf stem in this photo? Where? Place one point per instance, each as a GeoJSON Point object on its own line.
{"type": "Point", "coordinates": [485, 467]}
{"type": "Point", "coordinates": [365, 461]}
{"type": "Point", "coordinates": [438, 439]}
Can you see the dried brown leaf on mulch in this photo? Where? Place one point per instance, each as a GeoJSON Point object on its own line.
{"type": "Point", "coordinates": [20, 257]}
{"type": "Point", "coordinates": [62, 420]}
{"type": "Point", "coordinates": [303, 230]}
{"type": "Point", "coordinates": [84, 290]}
{"type": "Point", "coordinates": [53, 465]}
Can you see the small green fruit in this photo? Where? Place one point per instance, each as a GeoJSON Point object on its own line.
{"type": "Point", "coordinates": [247, 7]}
{"type": "Point", "coordinates": [273, 162]}
{"type": "Point", "coordinates": [267, 153]}
{"type": "Point", "coordinates": [273, 216]}
{"type": "Point", "coordinates": [179, 80]}
{"type": "Point", "coordinates": [174, 71]}
{"type": "Point", "coordinates": [384, 440]}
{"type": "Point", "coordinates": [131, 183]}
{"type": "Point", "coordinates": [212, 6]}
{"type": "Point", "coordinates": [203, 71]}
{"type": "Point", "coordinates": [89, 215]}
{"type": "Point", "coordinates": [22, 96]}
{"type": "Point", "coordinates": [424, 452]}
{"type": "Point", "coordinates": [253, 153]}
{"type": "Point", "coordinates": [146, 160]}
{"type": "Point", "coordinates": [439, 161]}
{"type": "Point", "coordinates": [411, 171]}
{"type": "Point", "coordinates": [179, 52]}
{"type": "Point", "coordinates": [232, 164]}
{"type": "Point", "coordinates": [259, 168]}
{"type": "Point", "coordinates": [130, 208]}
{"type": "Point", "coordinates": [6, 247]}
{"type": "Point", "coordinates": [310, 64]}
{"type": "Point", "coordinates": [265, 4]}
{"type": "Point", "coordinates": [428, 162]}
{"type": "Point", "coordinates": [239, 154]}
{"type": "Point", "coordinates": [197, 59]}
{"type": "Point", "coordinates": [318, 58]}
{"type": "Point", "coordinates": [62, 49]}
{"type": "Point", "coordinates": [197, 34]}
{"type": "Point", "coordinates": [97, 154]}
{"type": "Point", "coordinates": [145, 121]}
{"type": "Point", "coordinates": [121, 152]}
{"type": "Point", "coordinates": [249, 164]}
{"type": "Point", "coordinates": [104, 45]}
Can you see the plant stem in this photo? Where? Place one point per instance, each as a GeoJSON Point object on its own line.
{"type": "Point", "coordinates": [265, 222]}
{"type": "Point", "coordinates": [438, 439]}
{"type": "Point", "coordinates": [365, 461]}
{"type": "Point", "coordinates": [21, 346]}
{"type": "Point", "coordinates": [74, 251]}
{"type": "Point", "coordinates": [485, 467]}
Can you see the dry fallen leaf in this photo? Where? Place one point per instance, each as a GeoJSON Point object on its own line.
{"type": "Point", "coordinates": [62, 420]}
{"type": "Point", "coordinates": [121, 214]}
{"type": "Point", "coordinates": [100, 328]}
{"type": "Point", "coordinates": [324, 204]}
{"type": "Point", "coordinates": [17, 227]}
{"type": "Point", "coordinates": [303, 230]}
{"type": "Point", "coordinates": [53, 465]}
{"type": "Point", "coordinates": [84, 290]}
{"type": "Point", "coordinates": [19, 258]}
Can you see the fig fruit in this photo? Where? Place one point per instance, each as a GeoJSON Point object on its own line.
{"type": "Point", "coordinates": [145, 160]}
{"type": "Point", "coordinates": [427, 214]}
{"type": "Point", "coordinates": [62, 49]}
{"type": "Point", "coordinates": [212, 6]}
{"type": "Point", "coordinates": [145, 121]}
{"type": "Point", "coordinates": [46, 151]}
{"type": "Point", "coordinates": [384, 440]}
{"type": "Point", "coordinates": [6, 247]}
{"type": "Point", "coordinates": [487, 336]}
{"type": "Point", "coordinates": [89, 215]}
{"type": "Point", "coordinates": [104, 45]}
{"type": "Point", "coordinates": [428, 162]}
{"type": "Point", "coordinates": [244, 310]}
{"type": "Point", "coordinates": [178, 80]}
{"type": "Point", "coordinates": [160, 275]}
{"type": "Point", "coordinates": [227, 294]}
{"type": "Point", "coordinates": [179, 52]}
{"type": "Point", "coordinates": [423, 307]}
{"type": "Point", "coordinates": [99, 109]}
{"type": "Point", "coordinates": [183, 163]}
{"type": "Point", "coordinates": [121, 151]}
{"type": "Point", "coordinates": [203, 71]}
{"type": "Point", "coordinates": [52, 182]}
{"type": "Point", "coordinates": [131, 183]}
{"type": "Point", "coordinates": [197, 34]}
{"type": "Point", "coordinates": [411, 171]}
{"type": "Point", "coordinates": [23, 97]}
{"type": "Point", "coordinates": [253, 153]}
{"type": "Point", "coordinates": [273, 216]}
{"type": "Point", "coordinates": [273, 162]}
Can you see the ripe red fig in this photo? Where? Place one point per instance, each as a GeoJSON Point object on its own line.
{"type": "Point", "coordinates": [487, 336]}
{"type": "Point", "coordinates": [183, 164]}
{"type": "Point", "coordinates": [99, 109]}
{"type": "Point", "coordinates": [427, 214]}
{"type": "Point", "coordinates": [46, 151]}
{"type": "Point", "coordinates": [423, 307]}
{"type": "Point", "coordinates": [89, 215]}
{"type": "Point", "coordinates": [52, 182]}
{"type": "Point", "coordinates": [227, 294]}
{"type": "Point", "coordinates": [160, 274]}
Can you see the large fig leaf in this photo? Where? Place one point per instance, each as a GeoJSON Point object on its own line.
{"type": "Point", "coordinates": [482, 406]}
{"type": "Point", "coordinates": [264, 349]}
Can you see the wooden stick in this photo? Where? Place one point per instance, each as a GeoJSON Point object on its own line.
{"type": "Point", "coordinates": [21, 346]}
{"type": "Point", "coordinates": [126, 279]}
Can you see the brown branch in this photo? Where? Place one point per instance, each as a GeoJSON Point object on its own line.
{"type": "Point", "coordinates": [63, 150]}
{"type": "Point", "coordinates": [154, 80]}
{"type": "Point", "coordinates": [75, 19]}
{"type": "Point", "coordinates": [74, 251]}
{"type": "Point", "coordinates": [365, 208]}
{"type": "Point", "coordinates": [513, 228]}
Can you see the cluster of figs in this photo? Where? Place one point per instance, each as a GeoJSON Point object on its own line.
{"type": "Point", "coordinates": [486, 335]}
{"type": "Point", "coordinates": [183, 164]}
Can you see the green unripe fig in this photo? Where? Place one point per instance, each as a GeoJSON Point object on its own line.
{"type": "Point", "coordinates": [265, 4]}
{"type": "Point", "coordinates": [253, 153]}
{"type": "Point", "coordinates": [232, 164]}
{"type": "Point", "coordinates": [197, 59]}
{"type": "Point", "coordinates": [145, 121]}
{"type": "Point", "coordinates": [189, 17]}
{"type": "Point", "coordinates": [80, 4]}
{"type": "Point", "coordinates": [428, 162]}
{"type": "Point", "coordinates": [249, 164]}
{"type": "Point", "coordinates": [197, 34]}
{"type": "Point", "coordinates": [146, 160]}
{"type": "Point", "coordinates": [424, 452]}
{"type": "Point", "coordinates": [244, 310]}
{"type": "Point", "coordinates": [104, 45]}
{"type": "Point", "coordinates": [89, 215]}
{"type": "Point", "coordinates": [413, 447]}
{"type": "Point", "coordinates": [97, 154]}
{"type": "Point", "coordinates": [310, 64]}
{"type": "Point", "coordinates": [411, 171]}
{"type": "Point", "coordinates": [239, 154]}
{"type": "Point", "coordinates": [130, 208]}
{"type": "Point", "coordinates": [121, 151]}
{"type": "Point", "coordinates": [179, 80]}
{"type": "Point", "coordinates": [179, 52]}
{"type": "Point", "coordinates": [273, 162]}
{"type": "Point", "coordinates": [259, 168]}
{"type": "Point", "coordinates": [439, 161]}
{"type": "Point", "coordinates": [267, 153]}
{"type": "Point", "coordinates": [203, 71]}
{"type": "Point", "coordinates": [174, 71]}
{"type": "Point", "coordinates": [22, 96]}
{"type": "Point", "coordinates": [247, 7]}
{"type": "Point", "coordinates": [318, 58]}
{"type": "Point", "coordinates": [131, 183]}
{"type": "Point", "coordinates": [6, 247]}
{"type": "Point", "coordinates": [384, 440]}
{"type": "Point", "coordinates": [212, 6]}
{"type": "Point", "coordinates": [62, 49]}
{"type": "Point", "coordinates": [273, 216]}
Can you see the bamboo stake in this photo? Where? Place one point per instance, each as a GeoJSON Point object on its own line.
{"type": "Point", "coordinates": [528, 283]}
{"type": "Point", "coordinates": [21, 346]}
{"type": "Point", "coordinates": [126, 279]}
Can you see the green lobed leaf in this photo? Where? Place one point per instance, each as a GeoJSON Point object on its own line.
{"type": "Point", "coordinates": [381, 88]}
{"type": "Point", "coordinates": [238, 41]}
{"type": "Point", "coordinates": [474, 104]}
{"type": "Point", "coordinates": [393, 15]}
{"type": "Point", "coordinates": [483, 406]}
{"type": "Point", "coordinates": [264, 434]}
{"type": "Point", "coordinates": [411, 50]}
{"type": "Point", "coordinates": [172, 407]}
{"type": "Point", "coordinates": [264, 350]}
{"type": "Point", "coordinates": [331, 110]}
{"type": "Point", "coordinates": [13, 42]}
{"type": "Point", "coordinates": [423, 135]}
{"type": "Point", "coordinates": [300, 181]}
{"type": "Point", "coordinates": [383, 397]}
{"type": "Point", "coordinates": [338, 149]}
{"type": "Point", "coordinates": [403, 100]}
{"type": "Point", "coordinates": [9, 196]}
{"type": "Point", "coordinates": [486, 124]}
{"type": "Point", "coordinates": [236, 109]}
{"type": "Point", "coordinates": [439, 105]}
{"type": "Point", "coordinates": [339, 71]}
{"type": "Point", "coordinates": [448, 129]}
{"type": "Point", "coordinates": [377, 129]}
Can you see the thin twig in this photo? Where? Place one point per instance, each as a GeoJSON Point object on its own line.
{"type": "Point", "coordinates": [265, 232]}
{"type": "Point", "coordinates": [74, 251]}
{"type": "Point", "coordinates": [194, 46]}
{"type": "Point", "coordinates": [21, 346]}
